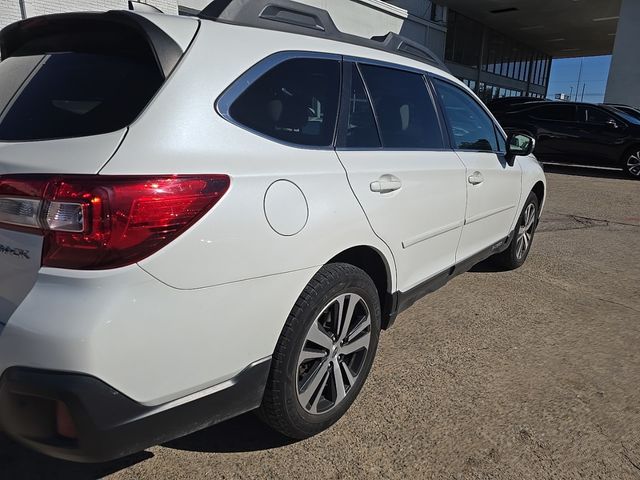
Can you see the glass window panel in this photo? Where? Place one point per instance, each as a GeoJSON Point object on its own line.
{"type": "Point", "coordinates": [406, 115]}
{"type": "Point", "coordinates": [471, 127]}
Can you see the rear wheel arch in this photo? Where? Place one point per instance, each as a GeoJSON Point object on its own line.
{"type": "Point", "coordinates": [374, 264]}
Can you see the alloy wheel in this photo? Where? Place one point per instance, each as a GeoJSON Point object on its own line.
{"type": "Point", "coordinates": [633, 164]}
{"type": "Point", "coordinates": [525, 232]}
{"type": "Point", "coordinates": [333, 353]}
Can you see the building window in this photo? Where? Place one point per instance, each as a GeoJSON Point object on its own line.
{"type": "Point", "coordinates": [464, 40]}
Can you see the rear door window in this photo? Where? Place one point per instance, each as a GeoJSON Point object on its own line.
{"type": "Point", "coordinates": [405, 111]}
{"type": "Point", "coordinates": [556, 113]}
{"type": "Point", "coordinates": [295, 102]}
{"type": "Point", "coordinates": [471, 128]}
{"type": "Point", "coordinates": [63, 95]}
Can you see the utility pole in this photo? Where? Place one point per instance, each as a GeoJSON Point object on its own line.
{"type": "Point", "coordinates": [579, 77]}
{"type": "Point", "coordinates": [23, 9]}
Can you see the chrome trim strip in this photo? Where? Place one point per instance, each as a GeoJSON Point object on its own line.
{"type": "Point", "coordinates": [433, 233]}
{"type": "Point", "coordinates": [488, 214]}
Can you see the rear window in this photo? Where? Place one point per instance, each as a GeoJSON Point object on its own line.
{"type": "Point", "coordinates": [63, 95]}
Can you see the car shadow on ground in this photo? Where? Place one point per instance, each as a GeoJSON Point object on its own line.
{"type": "Point", "coordinates": [577, 171]}
{"type": "Point", "coordinates": [18, 462]}
{"type": "Point", "coordinates": [245, 433]}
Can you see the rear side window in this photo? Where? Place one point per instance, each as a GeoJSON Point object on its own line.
{"type": "Point", "coordinates": [470, 126]}
{"type": "Point", "coordinates": [556, 113]}
{"type": "Point", "coordinates": [406, 115]}
{"type": "Point", "coordinates": [295, 102]}
{"type": "Point", "coordinates": [63, 95]}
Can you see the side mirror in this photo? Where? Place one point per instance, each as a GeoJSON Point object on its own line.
{"type": "Point", "coordinates": [520, 145]}
{"type": "Point", "coordinates": [611, 123]}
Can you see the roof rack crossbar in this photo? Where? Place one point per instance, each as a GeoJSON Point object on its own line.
{"type": "Point", "coordinates": [294, 17]}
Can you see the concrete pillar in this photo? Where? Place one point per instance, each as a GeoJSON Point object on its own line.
{"type": "Point", "coordinates": [624, 75]}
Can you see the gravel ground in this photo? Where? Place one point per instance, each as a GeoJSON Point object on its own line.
{"type": "Point", "coordinates": [531, 374]}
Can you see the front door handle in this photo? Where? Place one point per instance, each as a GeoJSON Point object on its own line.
{"type": "Point", "coordinates": [386, 184]}
{"type": "Point", "coordinates": [476, 178]}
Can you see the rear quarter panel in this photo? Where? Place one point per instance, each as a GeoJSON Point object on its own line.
{"type": "Point", "coordinates": [182, 133]}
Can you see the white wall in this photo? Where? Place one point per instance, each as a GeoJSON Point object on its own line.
{"type": "Point", "coordinates": [9, 12]}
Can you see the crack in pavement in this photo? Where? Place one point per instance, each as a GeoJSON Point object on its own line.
{"type": "Point", "coordinates": [570, 290]}
{"type": "Point", "coordinates": [593, 222]}
{"type": "Point", "coordinates": [625, 454]}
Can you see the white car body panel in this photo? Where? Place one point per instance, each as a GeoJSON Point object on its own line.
{"type": "Point", "coordinates": [413, 221]}
{"type": "Point", "coordinates": [492, 204]}
{"type": "Point", "coordinates": [85, 155]}
{"type": "Point", "coordinates": [154, 342]}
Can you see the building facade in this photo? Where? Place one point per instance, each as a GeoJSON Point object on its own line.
{"type": "Point", "coordinates": [491, 63]}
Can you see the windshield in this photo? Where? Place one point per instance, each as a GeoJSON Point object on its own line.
{"type": "Point", "coordinates": [629, 115]}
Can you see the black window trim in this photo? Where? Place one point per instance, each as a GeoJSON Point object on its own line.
{"type": "Point", "coordinates": [357, 61]}
{"type": "Point", "coordinates": [345, 103]}
{"type": "Point", "coordinates": [243, 82]}
{"type": "Point", "coordinates": [232, 92]}
{"type": "Point", "coordinates": [496, 126]}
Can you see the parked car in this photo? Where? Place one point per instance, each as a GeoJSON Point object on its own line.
{"type": "Point", "coordinates": [578, 133]}
{"type": "Point", "coordinates": [634, 112]}
{"type": "Point", "coordinates": [199, 218]}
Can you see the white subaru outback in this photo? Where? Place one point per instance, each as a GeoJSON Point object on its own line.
{"type": "Point", "coordinates": [204, 216]}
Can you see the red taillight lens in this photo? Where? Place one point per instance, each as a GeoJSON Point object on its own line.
{"type": "Point", "coordinates": [101, 222]}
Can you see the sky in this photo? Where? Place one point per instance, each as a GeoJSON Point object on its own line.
{"type": "Point", "coordinates": [565, 73]}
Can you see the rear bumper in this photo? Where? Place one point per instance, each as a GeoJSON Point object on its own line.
{"type": "Point", "coordinates": [109, 424]}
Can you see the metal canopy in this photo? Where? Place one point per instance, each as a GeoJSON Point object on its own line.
{"type": "Point", "coordinates": [560, 28]}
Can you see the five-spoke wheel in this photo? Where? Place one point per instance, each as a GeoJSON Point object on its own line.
{"type": "Point", "coordinates": [324, 353]}
{"type": "Point", "coordinates": [525, 231]}
{"type": "Point", "coordinates": [333, 353]}
{"type": "Point", "coordinates": [516, 253]}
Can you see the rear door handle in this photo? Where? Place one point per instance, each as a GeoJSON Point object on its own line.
{"type": "Point", "coordinates": [476, 178]}
{"type": "Point", "coordinates": [386, 184]}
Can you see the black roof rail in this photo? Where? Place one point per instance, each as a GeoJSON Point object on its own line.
{"type": "Point", "coordinates": [294, 17]}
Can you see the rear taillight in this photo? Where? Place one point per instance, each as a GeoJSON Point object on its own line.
{"type": "Point", "coordinates": [99, 222]}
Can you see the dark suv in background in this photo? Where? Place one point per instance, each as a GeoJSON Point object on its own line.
{"type": "Point", "coordinates": [578, 133]}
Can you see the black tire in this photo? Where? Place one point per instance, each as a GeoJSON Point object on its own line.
{"type": "Point", "coordinates": [514, 256]}
{"type": "Point", "coordinates": [631, 162]}
{"type": "Point", "coordinates": [282, 407]}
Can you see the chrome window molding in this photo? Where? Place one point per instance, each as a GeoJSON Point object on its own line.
{"type": "Point", "coordinates": [237, 88]}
